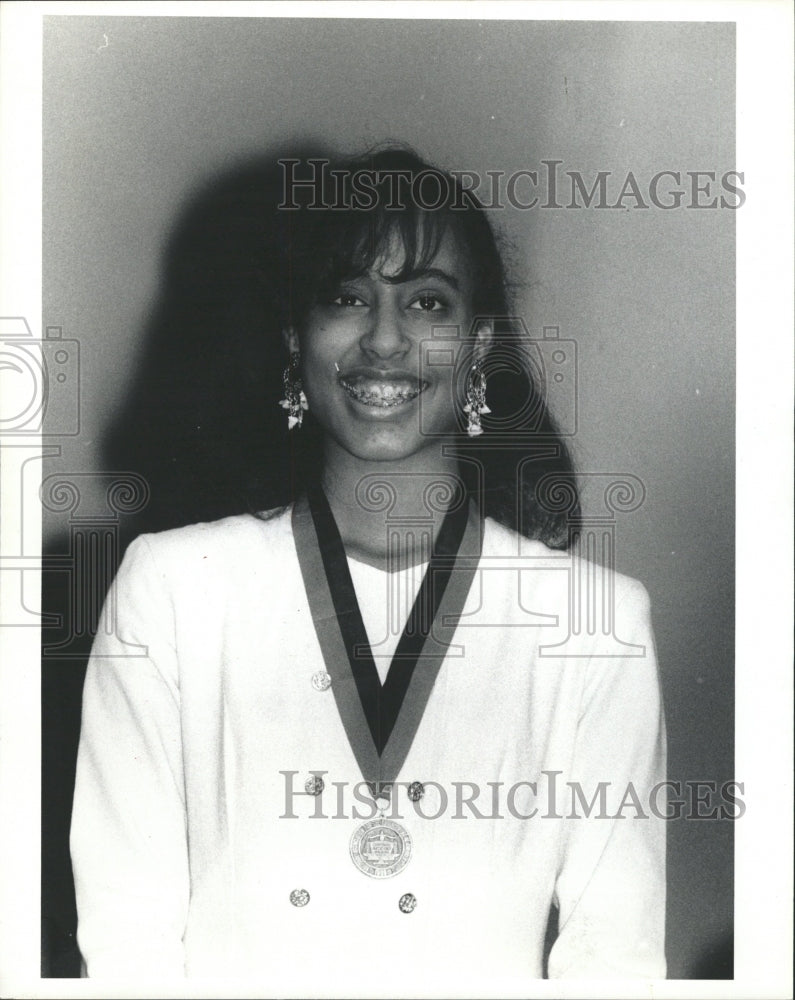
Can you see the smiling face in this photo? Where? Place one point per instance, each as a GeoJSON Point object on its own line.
{"type": "Point", "coordinates": [364, 348]}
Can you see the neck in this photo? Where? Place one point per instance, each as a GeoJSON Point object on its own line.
{"type": "Point", "coordinates": [389, 513]}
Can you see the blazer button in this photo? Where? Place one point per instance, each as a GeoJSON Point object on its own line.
{"type": "Point", "coordinates": [407, 902]}
{"type": "Point", "coordinates": [416, 791]}
{"type": "Point", "coordinates": [314, 785]}
{"type": "Point", "coordinates": [299, 897]}
{"type": "Point", "coordinates": [321, 681]}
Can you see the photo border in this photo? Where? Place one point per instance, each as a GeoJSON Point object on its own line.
{"type": "Point", "coordinates": [763, 845]}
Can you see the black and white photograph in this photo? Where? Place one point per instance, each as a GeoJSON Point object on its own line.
{"type": "Point", "coordinates": [396, 446]}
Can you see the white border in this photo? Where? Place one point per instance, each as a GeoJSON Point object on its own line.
{"type": "Point", "coordinates": [20, 688]}
{"type": "Point", "coordinates": [763, 748]}
{"type": "Point", "coordinates": [763, 891]}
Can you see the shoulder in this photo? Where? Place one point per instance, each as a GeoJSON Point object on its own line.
{"type": "Point", "coordinates": [211, 546]}
{"type": "Point", "coordinates": [553, 571]}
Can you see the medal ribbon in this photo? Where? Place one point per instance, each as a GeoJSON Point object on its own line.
{"type": "Point", "coordinates": [381, 722]}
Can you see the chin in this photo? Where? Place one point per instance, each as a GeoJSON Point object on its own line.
{"type": "Point", "coordinates": [386, 447]}
{"type": "Point", "coordinates": [386, 451]}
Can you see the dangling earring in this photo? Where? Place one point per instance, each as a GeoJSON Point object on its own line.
{"type": "Point", "coordinates": [294, 399]}
{"type": "Point", "coordinates": [476, 399]}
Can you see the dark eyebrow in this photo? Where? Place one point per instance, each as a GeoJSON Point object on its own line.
{"type": "Point", "coordinates": [430, 272]}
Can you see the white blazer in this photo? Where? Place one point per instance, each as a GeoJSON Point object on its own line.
{"type": "Point", "coordinates": [540, 755]}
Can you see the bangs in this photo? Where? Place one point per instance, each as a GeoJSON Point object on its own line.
{"type": "Point", "coordinates": [359, 230]}
{"type": "Point", "coordinates": [365, 242]}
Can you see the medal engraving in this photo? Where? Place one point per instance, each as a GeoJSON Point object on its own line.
{"type": "Point", "coordinates": [380, 848]}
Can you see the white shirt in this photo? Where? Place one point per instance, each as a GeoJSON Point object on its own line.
{"type": "Point", "coordinates": [201, 723]}
{"type": "Point", "coordinates": [385, 600]}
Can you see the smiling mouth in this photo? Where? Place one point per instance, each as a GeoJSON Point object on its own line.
{"type": "Point", "coordinates": [380, 392]}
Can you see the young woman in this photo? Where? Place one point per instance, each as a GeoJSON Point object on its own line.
{"type": "Point", "coordinates": [365, 742]}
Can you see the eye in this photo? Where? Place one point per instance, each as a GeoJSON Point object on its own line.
{"type": "Point", "coordinates": [428, 302]}
{"type": "Point", "coordinates": [347, 299]}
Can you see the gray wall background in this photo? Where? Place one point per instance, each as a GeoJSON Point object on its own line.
{"type": "Point", "coordinates": [139, 113]}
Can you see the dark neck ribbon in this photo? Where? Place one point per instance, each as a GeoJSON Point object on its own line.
{"type": "Point", "coordinates": [381, 721]}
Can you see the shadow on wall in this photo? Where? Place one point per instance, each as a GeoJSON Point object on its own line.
{"type": "Point", "coordinates": [198, 430]}
{"type": "Point", "coordinates": [201, 423]}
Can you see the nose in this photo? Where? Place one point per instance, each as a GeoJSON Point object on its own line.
{"type": "Point", "coordinates": [385, 336]}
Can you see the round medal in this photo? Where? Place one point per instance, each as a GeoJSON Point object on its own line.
{"type": "Point", "coordinates": [380, 848]}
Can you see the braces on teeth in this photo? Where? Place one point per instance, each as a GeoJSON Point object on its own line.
{"type": "Point", "coordinates": [383, 395]}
